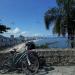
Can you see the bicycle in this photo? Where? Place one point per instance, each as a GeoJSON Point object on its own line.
{"type": "Point", "coordinates": [25, 61]}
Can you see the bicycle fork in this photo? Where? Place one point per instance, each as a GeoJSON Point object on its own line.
{"type": "Point", "coordinates": [29, 63]}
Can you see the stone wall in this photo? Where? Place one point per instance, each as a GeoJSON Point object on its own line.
{"type": "Point", "coordinates": [54, 57]}
{"type": "Point", "coordinates": [58, 56]}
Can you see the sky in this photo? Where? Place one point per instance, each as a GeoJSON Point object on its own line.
{"type": "Point", "coordinates": [25, 17]}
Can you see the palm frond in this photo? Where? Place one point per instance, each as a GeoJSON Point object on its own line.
{"type": "Point", "coordinates": [50, 16]}
{"type": "Point", "coordinates": [57, 27]}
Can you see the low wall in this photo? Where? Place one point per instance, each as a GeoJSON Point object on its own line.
{"type": "Point", "coordinates": [58, 56]}
{"type": "Point", "coordinates": [54, 57]}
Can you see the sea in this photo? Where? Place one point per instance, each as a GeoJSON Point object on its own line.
{"type": "Point", "coordinates": [54, 42]}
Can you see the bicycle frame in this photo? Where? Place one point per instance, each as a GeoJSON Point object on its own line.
{"type": "Point", "coordinates": [24, 56]}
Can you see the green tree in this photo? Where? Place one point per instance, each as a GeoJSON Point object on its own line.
{"type": "Point", "coordinates": [63, 17]}
{"type": "Point", "coordinates": [3, 28]}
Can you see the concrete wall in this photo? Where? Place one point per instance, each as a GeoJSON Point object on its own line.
{"type": "Point", "coordinates": [58, 56]}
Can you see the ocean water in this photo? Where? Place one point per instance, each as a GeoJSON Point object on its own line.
{"type": "Point", "coordinates": [54, 42]}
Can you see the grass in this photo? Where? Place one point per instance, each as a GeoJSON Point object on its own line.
{"type": "Point", "coordinates": [42, 46]}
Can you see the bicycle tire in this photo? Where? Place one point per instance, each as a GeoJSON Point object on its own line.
{"type": "Point", "coordinates": [33, 68]}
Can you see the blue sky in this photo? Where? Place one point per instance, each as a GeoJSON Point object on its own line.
{"type": "Point", "coordinates": [25, 16]}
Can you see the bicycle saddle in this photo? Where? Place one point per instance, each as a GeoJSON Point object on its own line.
{"type": "Point", "coordinates": [12, 52]}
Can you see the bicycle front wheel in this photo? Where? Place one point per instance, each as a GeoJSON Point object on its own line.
{"type": "Point", "coordinates": [5, 67]}
{"type": "Point", "coordinates": [34, 66]}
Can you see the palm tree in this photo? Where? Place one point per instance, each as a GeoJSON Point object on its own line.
{"type": "Point", "coordinates": [63, 17]}
{"type": "Point", "coordinates": [3, 28]}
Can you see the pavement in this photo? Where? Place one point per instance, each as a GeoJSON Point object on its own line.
{"type": "Point", "coordinates": [18, 47]}
{"type": "Point", "coordinates": [58, 70]}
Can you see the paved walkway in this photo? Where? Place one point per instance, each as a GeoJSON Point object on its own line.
{"type": "Point", "coordinates": [58, 70]}
{"type": "Point", "coordinates": [18, 47]}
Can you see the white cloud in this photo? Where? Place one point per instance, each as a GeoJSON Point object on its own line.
{"type": "Point", "coordinates": [37, 34]}
{"type": "Point", "coordinates": [23, 33]}
{"type": "Point", "coordinates": [14, 31]}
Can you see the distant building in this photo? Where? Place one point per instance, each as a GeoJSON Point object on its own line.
{"type": "Point", "coordinates": [22, 38]}
{"type": "Point", "coordinates": [12, 36]}
{"type": "Point", "coordinates": [10, 41]}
